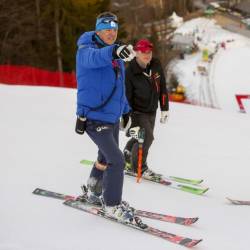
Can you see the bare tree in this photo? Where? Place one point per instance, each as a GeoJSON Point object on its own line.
{"type": "Point", "coordinates": [10, 26]}
{"type": "Point", "coordinates": [58, 41]}
{"type": "Point", "coordinates": [38, 14]}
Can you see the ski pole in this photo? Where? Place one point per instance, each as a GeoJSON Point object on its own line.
{"type": "Point", "coordinates": [139, 168]}
{"type": "Point", "coordinates": [141, 135]}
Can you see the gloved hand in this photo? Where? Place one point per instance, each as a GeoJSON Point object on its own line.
{"type": "Point", "coordinates": [164, 116]}
{"type": "Point", "coordinates": [134, 132]}
{"type": "Point", "coordinates": [125, 122]}
{"type": "Point", "coordinates": [124, 52]}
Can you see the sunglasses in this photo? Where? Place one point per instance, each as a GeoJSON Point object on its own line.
{"type": "Point", "coordinates": [108, 20]}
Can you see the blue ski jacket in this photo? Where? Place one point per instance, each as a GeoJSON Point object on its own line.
{"type": "Point", "coordinates": [97, 74]}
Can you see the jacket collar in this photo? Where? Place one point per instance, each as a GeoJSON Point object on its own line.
{"type": "Point", "coordinates": [136, 68]}
{"type": "Point", "coordinates": [98, 41]}
{"type": "Point", "coordinates": [139, 70]}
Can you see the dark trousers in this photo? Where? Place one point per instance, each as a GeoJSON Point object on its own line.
{"type": "Point", "coordinates": [106, 137]}
{"type": "Point", "coordinates": [146, 121]}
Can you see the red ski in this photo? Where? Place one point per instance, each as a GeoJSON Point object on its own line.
{"type": "Point", "coordinates": [147, 214]}
{"type": "Point", "coordinates": [239, 202]}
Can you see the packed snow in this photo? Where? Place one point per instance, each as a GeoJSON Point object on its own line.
{"type": "Point", "coordinates": [39, 148]}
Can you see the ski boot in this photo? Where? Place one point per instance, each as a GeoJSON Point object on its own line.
{"type": "Point", "coordinates": [121, 212]}
{"type": "Point", "coordinates": [127, 156]}
{"type": "Point", "coordinates": [92, 193]}
{"type": "Point", "coordinates": [124, 214]}
{"type": "Point", "coordinates": [148, 173]}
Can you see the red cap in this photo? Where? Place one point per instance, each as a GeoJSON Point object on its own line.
{"type": "Point", "coordinates": [143, 45]}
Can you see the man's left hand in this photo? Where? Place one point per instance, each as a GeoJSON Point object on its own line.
{"type": "Point", "coordinates": [164, 117]}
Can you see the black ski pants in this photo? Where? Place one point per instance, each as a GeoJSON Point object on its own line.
{"type": "Point", "coordinates": [146, 121]}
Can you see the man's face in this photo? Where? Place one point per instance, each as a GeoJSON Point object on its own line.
{"type": "Point", "coordinates": [144, 57]}
{"type": "Point", "coordinates": [108, 36]}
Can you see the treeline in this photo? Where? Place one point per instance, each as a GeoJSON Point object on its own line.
{"type": "Point", "coordinates": [43, 33]}
{"type": "Point", "coordinates": [146, 18]}
{"type": "Point", "coordinates": [181, 7]}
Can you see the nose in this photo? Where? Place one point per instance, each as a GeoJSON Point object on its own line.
{"type": "Point", "coordinates": [112, 31]}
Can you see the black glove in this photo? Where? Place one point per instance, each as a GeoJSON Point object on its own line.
{"type": "Point", "coordinates": [126, 118]}
{"type": "Point", "coordinates": [80, 125]}
{"type": "Point", "coordinates": [124, 52]}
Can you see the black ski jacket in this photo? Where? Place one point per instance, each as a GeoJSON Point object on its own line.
{"type": "Point", "coordinates": [146, 87]}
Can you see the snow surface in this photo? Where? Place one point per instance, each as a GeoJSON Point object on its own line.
{"type": "Point", "coordinates": [227, 72]}
{"type": "Point", "coordinates": [39, 148]}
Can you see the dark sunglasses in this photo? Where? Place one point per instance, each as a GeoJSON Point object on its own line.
{"type": "Point", "coordinates": [109, 20]}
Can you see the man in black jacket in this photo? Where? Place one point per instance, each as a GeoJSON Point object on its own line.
{"type": "Point", "coordinates": [145, 88]}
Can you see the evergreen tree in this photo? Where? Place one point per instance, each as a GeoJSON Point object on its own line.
{"type": "Point", "coordinates": [43, 33]}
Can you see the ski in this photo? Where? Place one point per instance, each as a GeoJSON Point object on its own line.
{"type": "Point", "coordinates": [86, 207]}
{"type": "Point", "coordinates": [156, 216]}
{"type": "Point", "coordinates": [184, 180]}
{"type": "Point", "coordinates": [173, 178]}
{"type": "Point", "coordinates": [187, 185]}
{"type": "Point", "coordinates": [239, 202]}
{"type": "Point", "coordinates": [173, 184]}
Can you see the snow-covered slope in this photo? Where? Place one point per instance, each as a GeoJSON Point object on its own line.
{"type": "Point", "coordinates": [227, 72]}
{"type": "Point", "coordinates": [39, 148]}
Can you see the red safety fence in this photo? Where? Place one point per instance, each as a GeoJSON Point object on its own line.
{"type": "Point", "coordinates": [240, 99]}
{"type": "Point", "coordinates": [26, 75]}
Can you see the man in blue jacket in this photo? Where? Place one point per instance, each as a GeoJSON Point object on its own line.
{"type": "Point", "coordinates": [101, 101]}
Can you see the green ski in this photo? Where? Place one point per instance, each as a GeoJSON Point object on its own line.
{"type": "Point", "coordinates": [187, 185]}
